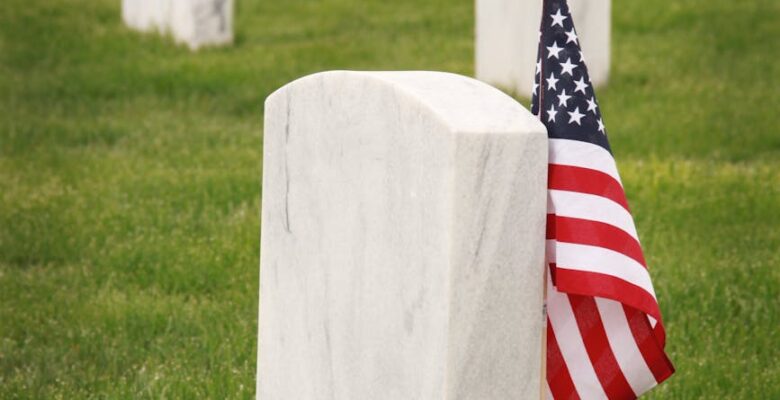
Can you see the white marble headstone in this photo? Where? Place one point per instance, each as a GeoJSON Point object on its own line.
{"type": "Point", "coordinates": [160, 11]}
{"type": "Point", "coordinates": [402, 240]}
{"type": "Point", "coordinates": [507, 38]}
{"type": "Point", "coordinates": [199, 23]}
{"type": "Point", "coordinates": [134, 15]}
{"type": "Point", "coordinates": [196, 23]}
{"type": "Point", "coordinates": [146, 15]}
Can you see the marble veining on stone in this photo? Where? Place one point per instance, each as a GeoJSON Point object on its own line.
{"type": "Point", "coordinates": [402, 240]}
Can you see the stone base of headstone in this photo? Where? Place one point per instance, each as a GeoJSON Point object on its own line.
{"type": "Point", "coordinates": [402, 250]}
{"type": "Point", "coordinates": [195, 23]}
{"type": "Point", "coordinates": [507, 39]}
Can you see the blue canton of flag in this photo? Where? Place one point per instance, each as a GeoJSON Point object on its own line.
{"type": "Point", "coordinates": [568, 103]}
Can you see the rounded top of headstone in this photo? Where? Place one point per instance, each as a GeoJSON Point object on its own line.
{"type": "Point", "coordinates": [463, 104]}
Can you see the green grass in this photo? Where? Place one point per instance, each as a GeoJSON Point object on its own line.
{"type": "Point", "coordinates": [130, 183]}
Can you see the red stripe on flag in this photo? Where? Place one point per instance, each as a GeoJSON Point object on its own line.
{"type": "Point", "coordinates": [607, 286]}
{"type": "Point", "coordinates": [651, 349]}
{"type": "Point", "coordinates": [551, 226]}
{"type": "Point", "coordinates": [597, 345]}
{"type": "Point", "coordinates": [558, 377]}
{"type": "Point", "coordinates": [586, 180]}
{"type": "Point", "coordinates": [550, 233]}
{"type": "Point", "coordinates": [660, 334]}
{"type": "Point", "coordinates": [553, 270]}
{"type": "Point", "coordinates": [594, 233]}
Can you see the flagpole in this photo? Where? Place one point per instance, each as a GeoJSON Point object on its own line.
{"type": "Point", "coordinates": [540, 109]}
{"type": "Point", "coordinates": [540, 97]}
{"type": "Point", "coordinates": [543, 373]}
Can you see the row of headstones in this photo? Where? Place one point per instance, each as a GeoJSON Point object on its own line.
{"type": "Point", "coordinates": [196, 23]}
{"type": "Point", "coordinates": [506, 33]}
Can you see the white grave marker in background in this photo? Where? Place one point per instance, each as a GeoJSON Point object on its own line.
{"type": "Point", "coordinates": [403, 239]}
{"type": "Point", "coordinates": [196, 23]}
{"type": "Point", "coordinates": [199, 23]}
{"type": "Point", "coordinates": [134, 15]}
{"type": "Point", "coordinates": [160, 11]}
{"type": "Point", "coordinates": [507, 38]}
{"type": "Point", "coordinates": [146, 15]}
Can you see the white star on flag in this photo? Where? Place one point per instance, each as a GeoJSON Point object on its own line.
{"type": "Point", "coordinates": [554, 50]}
{"type": "Point", "coordinates": [558, 19]}
{"type": "Point", "coordinates": [581, 85]}
{"type": "Point", "coordinates": [552, 81]}
{"type": "Point", "coordinates": [551, 114]}
{"type": "Point", "coordinates": [563, 98]}
{"type": "Point", "coordinates": [571, 36]}
{"type": "Point", "coordinates": [592, 105]}
{"type": "Point", "coordinates": [567, 67]}
{"type": "Point", "coordinates": [575, 116]}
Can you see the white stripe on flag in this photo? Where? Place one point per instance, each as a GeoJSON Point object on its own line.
{"type": "Point", "coordinates": [572, 347]}
{"type": "Point", "coordinates": [590, 207]}
{"type": "Point", "coordinates": [584, 155]}
{"type": "Point", "coordinates": [624, 347]}
{"type": "Point", "coordinates": [580, 257]}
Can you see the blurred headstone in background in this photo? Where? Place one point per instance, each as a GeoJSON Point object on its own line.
{"type": "Point", "coordinates": [196, 23]}
{"type": "Point", "coordinates": [507, 36]}
{"type": "Point", "coordinates": [402, 240]}
{"type": "Point", "coordinates": [133, 17]}
{"type": "Point", "coordinates": [160, 11]}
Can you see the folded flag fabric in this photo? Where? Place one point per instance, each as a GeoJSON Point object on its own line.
{"type": "Point", "coordinates": [605, 336]}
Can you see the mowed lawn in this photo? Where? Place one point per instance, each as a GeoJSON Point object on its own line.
{"type": "Point", "coordinates": [130, 183]}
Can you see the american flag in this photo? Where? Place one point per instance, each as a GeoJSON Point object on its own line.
{"type": "Point", "coordinates": [605, 338]}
